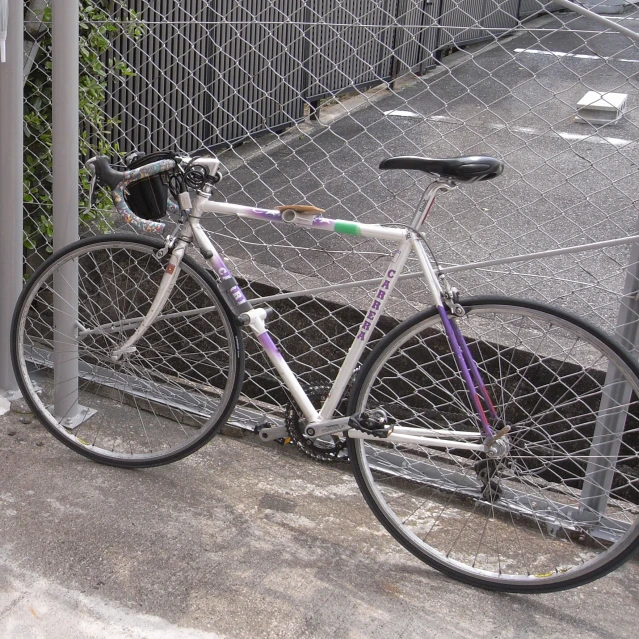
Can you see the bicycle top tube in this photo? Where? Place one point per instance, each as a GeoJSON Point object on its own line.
{"type": "Point", "coordinates": [343, 227]}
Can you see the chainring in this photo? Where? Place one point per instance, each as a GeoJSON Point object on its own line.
{"type": "Point", "coordinates": [330, 448]}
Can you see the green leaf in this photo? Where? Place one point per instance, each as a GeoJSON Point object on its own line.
{"type": "Point", "coordinates": [98, 29]}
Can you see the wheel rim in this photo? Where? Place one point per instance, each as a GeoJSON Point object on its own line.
{"type": "Point", "coordinates": [159, 402]}
{"type": "Point", "coordinates": [434, 502]}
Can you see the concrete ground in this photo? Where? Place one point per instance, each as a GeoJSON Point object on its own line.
{"type": "Point", "coordinates": [240, 540]}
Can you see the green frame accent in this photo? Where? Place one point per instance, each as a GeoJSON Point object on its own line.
{"type": "Point", "coordinates": [347, 228]}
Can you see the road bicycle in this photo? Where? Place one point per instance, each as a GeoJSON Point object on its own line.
{"type": "Point", "coordinates": [494, 438]}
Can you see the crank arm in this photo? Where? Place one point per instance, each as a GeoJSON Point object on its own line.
{"type": "Point", "coordinates": [328, 427]}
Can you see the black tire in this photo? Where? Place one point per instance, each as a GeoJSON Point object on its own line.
{"type": "Point", "coordinates": [529, 521]}
{"type": "Point", "coordinates": [154, 406]}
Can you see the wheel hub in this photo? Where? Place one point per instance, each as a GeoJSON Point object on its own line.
{"type": "Point", "coordinates": [499, 449]}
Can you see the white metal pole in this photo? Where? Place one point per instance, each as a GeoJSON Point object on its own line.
{"type": "Point", "coordinates": [65, 101]}
{"type": "Point", "coordinates": [615, 399]}
{"type": "Point", "coordinates": [4, 18]}
{"type": "Point", "coordinates": [11, 163]}
{"type": "Point", "coordinates": [592, 9]}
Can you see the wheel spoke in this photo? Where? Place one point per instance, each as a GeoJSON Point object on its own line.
{"type": "Point", "coordinates": [161, 401]}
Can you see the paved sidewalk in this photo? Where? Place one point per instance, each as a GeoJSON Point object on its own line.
{"type": "Point", "coordinates": [241, 540]}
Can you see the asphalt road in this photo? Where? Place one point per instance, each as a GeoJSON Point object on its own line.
{"type": "Point", "coordinates": [566, 182]}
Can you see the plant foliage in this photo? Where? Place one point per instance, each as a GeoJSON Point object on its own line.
{"type": "Point", "coordinates": [97, 31]}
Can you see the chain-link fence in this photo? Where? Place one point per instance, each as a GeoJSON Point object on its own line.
{"type": "Point", "coordinates": [301, 100]}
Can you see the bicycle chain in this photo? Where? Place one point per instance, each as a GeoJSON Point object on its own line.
{"type": "Point", "coordinates": [327, 449]}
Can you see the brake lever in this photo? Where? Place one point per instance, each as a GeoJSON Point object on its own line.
{"type": "Point", "coordinates": [92, 184]}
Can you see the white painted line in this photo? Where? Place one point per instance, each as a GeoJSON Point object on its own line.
{"type": "Point", "coordinates": [594, 138]}
{"type": "Point", "coordinates": [581, 56]}
{"type": "Point", "coordinates": [403, 114]}
{"type": "Point", "coordinates": [577, 137]}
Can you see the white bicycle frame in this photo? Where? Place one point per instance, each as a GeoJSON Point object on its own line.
{"type": "Point", "coordinates": [408, 240]}
{"type": "Point", "coordinates": [321, 422]}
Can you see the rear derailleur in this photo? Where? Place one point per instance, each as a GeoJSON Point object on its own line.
{"type": "Point", "coordinates": [488, 474]}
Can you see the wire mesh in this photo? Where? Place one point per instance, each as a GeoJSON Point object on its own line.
{"type": "Point", "coordinates": [301, 100]}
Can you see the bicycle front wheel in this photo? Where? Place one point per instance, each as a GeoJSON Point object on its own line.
{"type": "Point", "coordinates": [156, 404]}
{"type": "Point", "coordinates": [558, 506]}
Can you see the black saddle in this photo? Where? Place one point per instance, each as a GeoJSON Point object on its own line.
{"type": "Point", "coordinates": [471, 168]}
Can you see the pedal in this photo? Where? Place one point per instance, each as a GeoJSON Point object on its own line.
{"type": "Point", "coordinates": [269, 431]}
{"type": "Point", "coordinates": [376, 423]}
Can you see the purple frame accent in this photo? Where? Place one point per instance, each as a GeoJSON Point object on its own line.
{"type": "Point", "coordinates": [269, 345]}
{"type": "Point", "coordinates": [318, 222]}
{"type": "Point", "coordinates": [267, 215]}
{"type": "Point", "coordinates": [236, 294]}
{"type": "Point", "coordinates": [324, 223]}
{"type": "Point", "coordinates": [464, 368]}
{"type": "Point", "coordinates": [474, 370]}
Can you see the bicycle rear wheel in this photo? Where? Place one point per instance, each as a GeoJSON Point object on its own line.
{"type": "Point", "coordinates": [153, 406]}
{"type": "Point", "coordinates": [559, 506]}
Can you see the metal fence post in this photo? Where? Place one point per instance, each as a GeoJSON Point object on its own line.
{"type": "Point", "coordinates": [65, 100]}
{"type": "Point", "coordinates": [11, 161]}
{"type": "Point", "coordinates": [613, 409]}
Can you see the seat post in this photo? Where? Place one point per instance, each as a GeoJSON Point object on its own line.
{"type": "Point", "coordinates": [426, 202]}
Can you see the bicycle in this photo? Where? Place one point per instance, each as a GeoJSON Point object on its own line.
{"type": "Point", "coordinates": [493, 438]}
